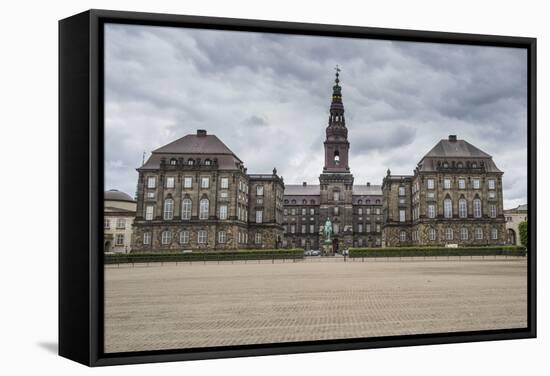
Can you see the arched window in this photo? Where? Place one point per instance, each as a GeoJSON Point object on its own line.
{"type": "Point", "coordinates": [304, 201]}
{"type": "Point", "coordinates": [360, 202]}
{"type": "Point", "coordinates": [368, 201]}
{"type": "Point", "coordinates": [312, 202]}
{"type": "Point", "coordinates": [431, 234]}
{"type": "Point", "coordinates": [377, 201]}
{"type": "Point", "coordinates": [445, 164]}
{"type": "Point", "coordinates": [207, 162]}
{"type": "Point", "coordinates": [403, 236]}
{"type": "Point", "coordinates": [293, 201]}
{"type": "Point", "coordinates": [463, 233]}
{"type": "Point", "coordinates": [168, 209]}
{"type": "Point", "coordinates": [474, 165]}
{"type": "Point", "coordinates": [462, 208]}
{"type": "Point", "coordinates": [336, 195]}
{"type": "Point", "coordinates": [173, 161]}
{"type": "Point", "coordinates": [203, 209]}
{"type": "Point", "coordinates": [448, 208]}
{"type": "Point", "coordinates": [336, 157]}
{"type": "Point", "coordinates": [190, 162]}
{"type": "Point", "coordinates": [260, 190]}
{"type": "Point", "coordinates": [286, 201]}
{"type": "Point", "coordinates": [459, 165]}
{"type": "Point", "coordinates": [449, 233]}
{"type": "Point", "coordinates": [494, 234]}
{"type": "Point", "coordinates": [477, 208]}
{"type": "Point", "coordinates": [186, 206]}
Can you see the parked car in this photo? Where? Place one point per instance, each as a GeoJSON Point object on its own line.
{"type": "Point", "coordinates": [315, 252]}
{"type": "Point", "coordinates": [307, 253]}
{"type": "Point", "coordinates": [345, 252]}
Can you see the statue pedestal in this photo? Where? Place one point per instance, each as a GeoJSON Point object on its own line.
{"type": "Point", "coordinates": [327, 249]}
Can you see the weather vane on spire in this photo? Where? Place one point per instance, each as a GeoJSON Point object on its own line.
{"type": "Point", "coordinates": [337, 69]}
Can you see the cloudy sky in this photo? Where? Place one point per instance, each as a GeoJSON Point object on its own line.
{"type": "Point", "coordinates": [266, 96]}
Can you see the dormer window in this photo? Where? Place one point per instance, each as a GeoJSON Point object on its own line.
{"type": "Point", "coordinates": [474, 165]}
{"type": "Point", "coordinates": [173, 161]}
{"type": "Point", "coordinates": [445, 164]}
{"type": "Point", "coordinates": [190, 162]}
{"type": "Point", "coordinates": [207, 162]}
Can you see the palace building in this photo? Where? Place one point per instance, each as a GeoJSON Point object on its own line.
{"type": "Point", "coordinates": [195, 193]}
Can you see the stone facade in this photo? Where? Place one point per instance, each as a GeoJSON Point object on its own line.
{"type": "Point", "coordinates": [119, 212]}
{"type": "Point", "coordinates": [513, 218]}
{"type": "Point", "coordinates": [453, 197]}
{"type": "Point", "coordinates": [195, 193]}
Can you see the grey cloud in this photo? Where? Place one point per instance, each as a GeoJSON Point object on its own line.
{"type": "Point", "coordinates": [400, 99]}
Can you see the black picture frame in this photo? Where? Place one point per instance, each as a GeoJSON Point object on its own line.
{"type": "Point", "coordinates": [81, 175]}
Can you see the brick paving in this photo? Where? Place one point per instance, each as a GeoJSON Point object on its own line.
{"type": "Point", "coordinates": [196, 305]}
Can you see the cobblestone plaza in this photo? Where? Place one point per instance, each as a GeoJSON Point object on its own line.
{"type": "Point", "coordinates": [197, 305]}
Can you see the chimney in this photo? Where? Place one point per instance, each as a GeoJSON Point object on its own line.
{"type": "Point", "coordinates": [368, 184]}
{"type": "Point", "coordinates": [304, 184]}
{"type": "Point", "coordinates": [201, 132]}
{"type": "Point", "coordinates": [452, 138]}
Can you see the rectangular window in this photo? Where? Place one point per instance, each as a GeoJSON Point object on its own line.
{"type": "Point", "coordinates": [285, 212]}
{"type": "Point", "coordinates": [205, 182]}
{"type": "Point", "coordinates": [258, 238]}
{"type": "Point", "coordinates": [303, 229]}
{"type": "Point", "coordinates": [151, 182]}
{"type": "Point", "coordinates": [377, 211]}
{"type": "Point", "coordinates": [401, 191]}
{"type": "Point", "coordinates": [304, 212]}
{"type": "Point", "coordinates": [187, 182]}
{"type": "Point", "coordinates": [166, 237]}
{"type": "Point", "coordinates": [401, 215]}
{"type": "Point", "coordinates": [292, 229]}
{"type": "Point", "coordinates": [360, 211]}
{"type": "Point", "coordinates": [447, 183]}
{"type": "Point", "coordinates": [492, 194]}
{"type": "Point", "coordinates": [479, 233]}
{"type": "Point", "coordinates": [170, 182]}
{"type": "Point", "coordinates": [368, 227]}
{"type": "Point", "coordinates": [221, 237]}
{"type": "Point", "coordinates": [223, 194]}
{"type": "Point", "coordinates": [184, 237]}
{"type": "Point", "coordinates": [475, 183]}
{"type": "Point", "coordinates": [119, 239]}
{"type": "Point", "coordinates": [377, 228]}
{"type": "Point", "coordinates": [449, 233]}
{"type": "Point", "coordinates": [224, 183]}
{"type": "Point", "coordinates": [146, 238]}
{"type": "Point", "coordinates": [121, 223]}
{"type": "Point", "coordinates": [311, 211]}
{"type": "Point", "coordinates": [259, 216]}
{"type": "Point", "coordinates": [312, 228]}
{"type": "Point", "coordinates": [493, 211]}
{"type": "Point", "coordinates": [149, 212]}
{"type": "Point", "coordinates": [202, 237]}
{"type": "Point", "coordinates": [150, 195]}
{"type": "Point", "coordinates": [223, 211]}
{"type": "Point", "coordinates": [494, 234]}
{"type": "Point", "coordinates": [463, 233]}
{"type": "Point", "coordinates": [491, 184]}
{"type": "Point", "coordinates": [260, 190]}
{"type": "Point", "coordinates": [461, 183]}
{"type": "Point", "coordinates": [336, 195]}
{"type": "Point", "coordinates": [106, 224]}
{"type": "Point", "coordinates": [448, 208]}
{"type": "Point", "coordinates": [293, 211]}
{"type": "Point", "coordinates": [431, 234]}
{"type": "Point", "coordinates": [359, 227]}
{"type": "Point", "coordinates": [431, 183]}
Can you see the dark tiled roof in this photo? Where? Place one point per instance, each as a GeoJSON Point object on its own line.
{"type": "Point", "coordinates": [195, 146]}
{"type": "Point", "coordinates": [459, 149]}
{"type": "Point", "coordinates": [302, 190]}
{"type": "Point", "coordinates": [115, 195]}
{"type": "Point", "coordinates": [364, 190]}
{"type": "Point", "coordinates": [453, 149]}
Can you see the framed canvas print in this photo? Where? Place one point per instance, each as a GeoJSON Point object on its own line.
{"type": "Point", "coordinates": [235, 187]}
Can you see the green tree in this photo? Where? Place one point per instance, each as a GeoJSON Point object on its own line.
{"type": "Point", "coordinates": [523, 238]}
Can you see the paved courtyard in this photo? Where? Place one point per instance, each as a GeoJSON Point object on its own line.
{"type": "Point", "coordinates": [182, 306]}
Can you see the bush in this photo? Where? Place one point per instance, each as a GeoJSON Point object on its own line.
{"type": "Point", "coordinates": [172, 256]}
{"type": "Point", "coordinates": [523, 233]}
{"type": "Point", "coordinates": [437, 251]}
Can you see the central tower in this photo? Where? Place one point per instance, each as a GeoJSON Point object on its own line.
{"type": "Point", "coordinates": [336, 142]}
{"type": "Point", "coordinates": [336, 181]}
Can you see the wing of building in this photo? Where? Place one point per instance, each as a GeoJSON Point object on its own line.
{"type": "Point", "coordinates": [195, 193]}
